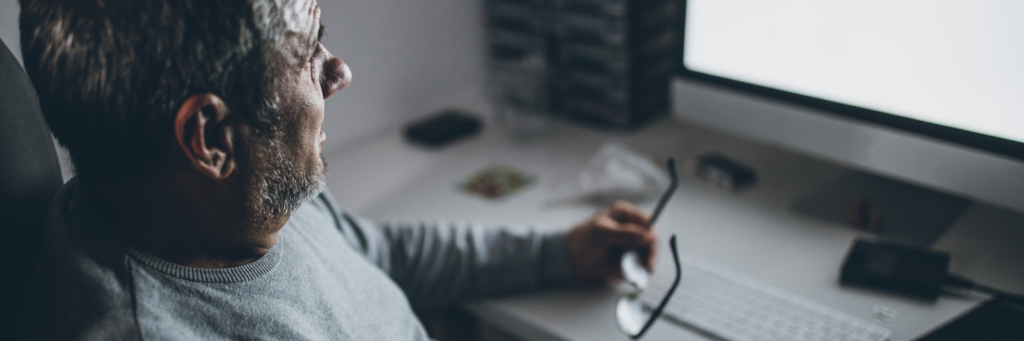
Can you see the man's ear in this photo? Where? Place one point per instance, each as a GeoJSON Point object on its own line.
{"type": "Point", "coordinates": [206, 136]}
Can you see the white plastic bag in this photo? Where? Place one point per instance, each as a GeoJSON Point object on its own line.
{"type": "Point", "coordinates": [615, 173]}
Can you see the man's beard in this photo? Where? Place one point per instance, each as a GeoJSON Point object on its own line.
{"type": "Point", "coordinates": [278, 182]}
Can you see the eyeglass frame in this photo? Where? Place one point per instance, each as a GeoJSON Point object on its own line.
{"type": "Point", "coordinates": [675, 254]}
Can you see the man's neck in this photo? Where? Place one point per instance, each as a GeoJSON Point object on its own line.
{"type": "Point", "coordinates": [200, 225]}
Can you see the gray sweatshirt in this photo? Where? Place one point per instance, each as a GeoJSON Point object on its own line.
{"type": "Point", "coordinates": [331, 276]}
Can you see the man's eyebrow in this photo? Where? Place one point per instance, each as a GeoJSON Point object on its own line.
{"type": "Point", "coordinates": [320, 35]}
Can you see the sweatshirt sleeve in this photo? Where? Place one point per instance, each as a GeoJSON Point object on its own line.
{"type": "Point", "coordinates": [437, 263]}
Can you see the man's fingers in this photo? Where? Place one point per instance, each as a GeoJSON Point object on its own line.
{"type": "Point", "coordinates": [652, 254]}
{"type": "Point", "coordinates": [628, 235]}
{"type": "Point", "coordinates": [612, 272]}
{"type": "Point", "coordinates": [625, 212]}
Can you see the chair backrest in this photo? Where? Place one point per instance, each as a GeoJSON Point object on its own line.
{"type": "Point", "coordinates": [29, 177]}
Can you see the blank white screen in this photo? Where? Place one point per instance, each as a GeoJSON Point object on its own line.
{"type": "Point", "coordinates": [954, 63]}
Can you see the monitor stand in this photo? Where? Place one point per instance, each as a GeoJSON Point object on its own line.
{"type": "Point", "coordinates": [891, 209]}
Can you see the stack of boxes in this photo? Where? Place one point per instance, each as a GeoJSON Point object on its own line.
{"type": "Point", "coordinates": [520, 35]}
{"type": "Point", "coordinates": [603, 62]}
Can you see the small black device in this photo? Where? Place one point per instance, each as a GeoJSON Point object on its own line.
{"type": "Point", "coordinates": [443, 128]}
{"type": "Point", "coordinates": [901, 268]}
{"type": "Point", "coordinates": [721, 171]}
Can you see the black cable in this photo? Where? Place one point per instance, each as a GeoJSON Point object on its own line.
{"type": "Point", "coordinates": [965, 283]}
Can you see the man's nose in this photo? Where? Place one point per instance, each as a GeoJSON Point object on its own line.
{"type": "Point", "coordinates": [336, 76]}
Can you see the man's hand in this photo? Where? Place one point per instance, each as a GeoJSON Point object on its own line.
{"type": "Point", "coordinates": [596, 246]}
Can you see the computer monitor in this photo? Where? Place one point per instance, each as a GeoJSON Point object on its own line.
{"type": "Point", "coordinates": [929, 93]}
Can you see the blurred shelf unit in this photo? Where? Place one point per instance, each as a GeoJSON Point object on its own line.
{"type": "Point", "coordinates": [601, 62]}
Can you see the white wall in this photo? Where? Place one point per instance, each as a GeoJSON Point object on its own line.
{"type": "Point", "coordinates": [409, 58]}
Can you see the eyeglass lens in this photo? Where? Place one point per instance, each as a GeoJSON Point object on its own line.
{"type": "Point", "coordinates": [632, 318]}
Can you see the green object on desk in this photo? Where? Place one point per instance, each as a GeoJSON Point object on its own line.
{"type": "Point", "coordinates": [497, 182]}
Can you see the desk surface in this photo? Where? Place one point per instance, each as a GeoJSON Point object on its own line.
{"type": "Point", "coordinates": [753, 232]}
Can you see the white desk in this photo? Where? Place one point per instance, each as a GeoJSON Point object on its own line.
{"type": "Point", "coordinates": [753, 232]}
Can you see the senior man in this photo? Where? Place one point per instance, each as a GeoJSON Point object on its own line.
{"type": "Point", "coordinates": [199, 211]}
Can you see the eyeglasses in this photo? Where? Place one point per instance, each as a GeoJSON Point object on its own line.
{"type": "Point", "coordinates": [632, 318]}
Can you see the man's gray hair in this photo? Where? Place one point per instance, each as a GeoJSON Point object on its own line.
{"type": "Point", "coordinates": [111, 74]}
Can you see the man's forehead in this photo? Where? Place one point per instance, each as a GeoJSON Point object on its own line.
{"type": "Point", "coordinates": [301, 25]}
{"type": "Point", "coordinates": [298, 15]}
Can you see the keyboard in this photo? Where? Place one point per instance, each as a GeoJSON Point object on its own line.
{"type": "Point", "coordinates": [727, 305]}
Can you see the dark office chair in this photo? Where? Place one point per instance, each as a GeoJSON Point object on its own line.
{"type": "Point", "coordinates": [29, 177]}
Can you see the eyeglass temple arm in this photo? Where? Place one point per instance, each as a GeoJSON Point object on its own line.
{"type": "Point", "coordinates": [671, 163]}
{"type": "Point", "coordinates": [675, 284]}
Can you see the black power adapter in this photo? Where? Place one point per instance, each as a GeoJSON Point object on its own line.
{"type": "Point", "coordinates": [443, 128]}
{"type": "Point", "coordinates": [900, 268]}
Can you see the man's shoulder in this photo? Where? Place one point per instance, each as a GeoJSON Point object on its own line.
{"type": "Point", "coordinates": [320, 214]}
{"type": "Point", "coordinates": [323, 221]}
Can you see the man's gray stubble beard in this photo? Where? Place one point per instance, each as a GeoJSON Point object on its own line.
{"type": "Point", "coordinates": [280, 183]}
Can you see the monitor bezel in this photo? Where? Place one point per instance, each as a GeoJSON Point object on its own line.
{"type": "Point", "coordinates": [989, 143]}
